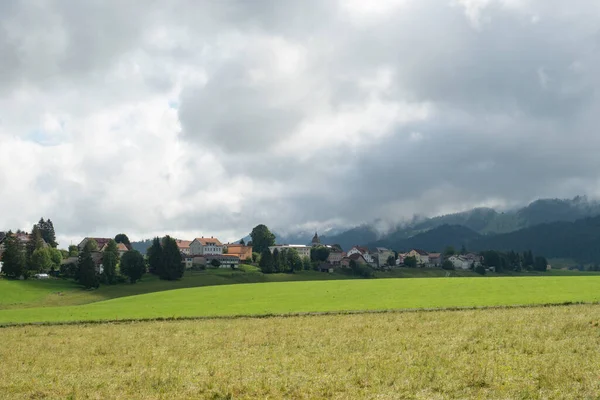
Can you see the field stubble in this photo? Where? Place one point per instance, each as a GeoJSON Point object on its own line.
{"type": "Point", "coordinates": [511, 353]}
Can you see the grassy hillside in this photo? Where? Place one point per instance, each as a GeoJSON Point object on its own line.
{"type": "Point", "coordinates": [323, 296]}
{"type": "Point", "coordinates": [58, 292]}
{"type": "Point", "coordinates": [539, 353]}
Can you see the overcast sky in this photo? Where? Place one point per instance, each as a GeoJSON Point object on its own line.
{"type": "Point", "coordinates": [209, 117]}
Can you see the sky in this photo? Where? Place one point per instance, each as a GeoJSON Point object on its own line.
{"type": "Point", "coordinates": [193, 118]}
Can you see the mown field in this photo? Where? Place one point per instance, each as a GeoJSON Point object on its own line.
{"type": "Point", "coordinates": [322, 296]}
{"type": "Point", "coordinates": [525, 353]}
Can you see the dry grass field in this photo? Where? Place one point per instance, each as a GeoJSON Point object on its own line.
{"type": "Point", "coordinates": [522, 353]}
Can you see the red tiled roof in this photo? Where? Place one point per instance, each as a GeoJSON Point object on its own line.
{"type": "Point", "coordinates": [204, 241]}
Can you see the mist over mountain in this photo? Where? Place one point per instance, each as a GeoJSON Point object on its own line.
{"type": "Point", "coordinates": [484, 221]}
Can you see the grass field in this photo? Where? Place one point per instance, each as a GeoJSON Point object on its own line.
{"type": "Point", "coordinates": [58, 292]}
{"type": "Point", "coordinates": [526, 353]}
{"type": "Point", "coordinates": [322, 296]}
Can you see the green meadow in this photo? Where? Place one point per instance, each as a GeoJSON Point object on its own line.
{"type": "Point", "coordinates": [322, 296]}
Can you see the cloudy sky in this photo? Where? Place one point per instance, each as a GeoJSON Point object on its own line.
{"type": "Point", "coordinates": [196, 117]}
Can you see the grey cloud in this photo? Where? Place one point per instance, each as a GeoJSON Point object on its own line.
{"type": "Point", "coordinates": [513, 103]}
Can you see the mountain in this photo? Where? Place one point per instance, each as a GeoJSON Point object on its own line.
{"type": "Point", "coordinates": [433, 240]}
{"type": "Point", "coordinates": [142, 246]}
{"type": "Point", "coordinates": [578, 240]}
{"type": "Point", "coordinates": [355, 236]}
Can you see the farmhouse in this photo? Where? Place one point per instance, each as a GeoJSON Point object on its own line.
{"type": "Point", "coordinates": [364, 252]}
{"type": "Point", "coordinates": [459, 262]}
{"type": "Point", "coordinates": [421, 256]}
{"type": "Point", "coordinates": [183, 246]}
{"type": "Point", "coordinates": [382, 254]}
{"type": "Point", "coordinates": [101, 242]}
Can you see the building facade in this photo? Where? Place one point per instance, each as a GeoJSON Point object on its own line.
{"type": "Point", "coordinates": [202, 246]}
{"type": "Point", "coordinates": [243, 252]}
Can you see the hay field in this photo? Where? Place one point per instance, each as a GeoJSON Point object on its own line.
{"type": "Point", "coordinates": [525, 353]}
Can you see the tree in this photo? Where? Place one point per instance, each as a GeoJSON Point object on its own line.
{"type": "Point", "coordinates": [255, 257]}
{"type": "Point", "coordinates": [391, 261]}
{"type": "Point", "coordinates": [56, 256]}
{"type": "Point", "coordinates": [282, 261]}
{"type": "Point", "coordinates": [540, 264]}
{"type": "Point", "coordinates": [93, 245]}
{"type": "Point", "coordinates": [447, 265]}
{"type": "Point", "coordinates": [480, 269]}
{"type": "Point", "coordinates": [47, 231]}
{"type": "Point", "coordinates": [242, 242]}
{"type": "Point", "coordinates": [110, 258]}
{"type": "Point", "coordinates": [266, 262]}
{"type": "Point", "coordinates": [262, 238]}
{"type": "Point", "coordinates": [306, 263]}
{"type": "Point", "coordinates": [215, 263]}
{"type": "Point", "coordinates": [73, 251]}
{"type": "Point", "coordinates": [276, 260]}
{"type": "Point", "coordinates": [154, 254]}
{"type": "Point", "coordinates": [293, 260]}
{"type": "Point", "coordinates": [35, 243]}
{"type": "Point", "coordinates": [319, 253]}
{"type": "Point", "coordinates": [528, 259]}
{"type": "Point", "coordinates": [463, 250]}
{"type": "Point", "coordinates": [13, 258]}
{"type": "Point", "coordinates": [170, 267]}
{"type": "Point", "coordinates": [410, 262]}
{"type": "Point", "coordinates": [86, 274]}
{"type": "Point", "coordinates": [122, 238]}
{"type": "Point", "coordinates": [449, 251]}
{"type": "Point", "coordinates": [133, 265]}
{"type": "Point", "coordinates": [40, 261]}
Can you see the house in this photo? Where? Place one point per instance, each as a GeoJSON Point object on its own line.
{"type": "Point", "coordinates": [303, 251]}
{"type": "Point", "coordinates": [460, 262]}
{"type": "Point", "coordinates": [356, 257]}
{"type": "Point", "coordinates": [242, 251]}
{"type": "Point", "coordinates": [121, 248]}
{"type": "Point", "coordinates": [474, 258]}
{"type": "Point", "coordinates": [204, 246]}
{"type": "Point", "coordinates": [435, 259]}
{"type": "Point", "coordinates": [101, 242]}
{"type": "Point", "coordinates": [363, 251]}
{"type": "Point", "coordinates": [335, 256]}
{"type": "Point", "coordinates": [187, 260]}
{"type": "Point", "coordinates": [421, 256]}
{"type": "Point", "coordinates": [225, 260]}
{"type": "Point", "coordinates": [382, 254]}
{"type": "Point", "coordinates": [183, 246]}
{"type": "Point", "coordinates": [400, 259]}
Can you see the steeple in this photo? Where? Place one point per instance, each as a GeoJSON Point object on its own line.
{"type": "Point", "coordinates": [315, 240]}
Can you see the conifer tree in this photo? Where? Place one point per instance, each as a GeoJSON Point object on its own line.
{"type": "Point", "coordinates": [13, 258]}
{"type": "Point", "coordinates": [266, 262]}
{"type": "Point", "coordinates": [87, 275]}
{"type": "Point", "coordinates": [154, 254]}
{"type": "Point", "coordinates": [110, 257]}
{"type": "Point", "coordinates": [171, 266]}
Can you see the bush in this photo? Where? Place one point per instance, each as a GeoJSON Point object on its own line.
{"type": "Point", "coordinates": [215, 263]}
{"type": "Point", "coordinates": [447, 265]}
{"type": "Point", "coordinates": [480, 269]}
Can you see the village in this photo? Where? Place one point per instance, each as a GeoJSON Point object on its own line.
{"type": "Point", "coordinates": [205, 252]}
